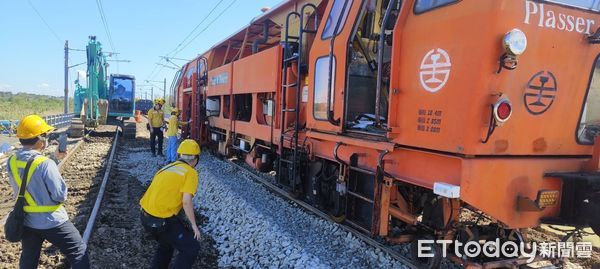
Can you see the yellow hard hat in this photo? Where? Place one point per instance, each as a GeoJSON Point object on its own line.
{"type": "Point", "coordinates": [159, 101]}
{"type": "Point", "coordinates": [175, 110]}
{"type": "Point", "coordinates": [189, 147]}
{"type": "Point", "coordinates": [32, 126]}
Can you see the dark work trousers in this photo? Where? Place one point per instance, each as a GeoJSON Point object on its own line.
{"type": "Point", "coordinates": [175, 236]}
{"type": "Point", "coordinates": [65, 237]}
{"type": "Point", "coordinates": [156, 133]}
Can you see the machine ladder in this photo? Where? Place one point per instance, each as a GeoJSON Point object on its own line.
{"type": "Point", "coordinates": [291, 59]}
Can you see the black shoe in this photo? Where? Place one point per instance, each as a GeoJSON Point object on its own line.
{"type": "Point", "coordinates": [161, 155]}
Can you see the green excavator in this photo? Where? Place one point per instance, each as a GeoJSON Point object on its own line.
{"type": "Point", "coordinates": [105, 100]}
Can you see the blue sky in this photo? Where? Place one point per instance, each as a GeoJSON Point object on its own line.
{"type": "Point", "coordinates": [32, 56]}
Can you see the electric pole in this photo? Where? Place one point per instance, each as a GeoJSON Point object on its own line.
{"type": "Point", "coordinates": [164, 86]}
{"type": "Point", "coordinates": [66, 76]}
{"type": "Point", "coordinates": [152, 89]}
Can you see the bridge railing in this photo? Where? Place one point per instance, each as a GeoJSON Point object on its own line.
{"type": "Point", "coordinates": [59, 121]}
{"type": "Point", "coordinates": [9, 127]}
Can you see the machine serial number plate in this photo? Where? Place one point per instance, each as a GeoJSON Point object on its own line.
{"type": "Point", "coordinates": [429, 120]}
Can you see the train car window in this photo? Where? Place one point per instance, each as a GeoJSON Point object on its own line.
{"type": "Point", "coordinates": [333, 18]}
{"type": "Point", "coordinates": [179, 75]}
{"type": "Point", "coordinates": [589, 125]}
{"type": "Point", "coordinates": [585, 4]}
{"type": "Point", "coordinates": [320, 109]}
{"type": "Point", "coordinates": [188, 76]}
{"type": "Point", "coordinates": [422, 6]}
{"type": "Point", "coordinates": [213, 106]}
{"type": "Point", "coordinates": [175, 87]}
{"type": "Point", "coordinates": [226, 106]}
{"type": "Point", "coordinates": [242, 104]}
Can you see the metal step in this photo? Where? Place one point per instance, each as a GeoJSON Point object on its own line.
{"type": "Point", "coordinates": [291, 59]}
{"type": "Point", "coordinates": [286, 161]}
{"type": "Point", "coordinates": [292, 85]}
{"type": "Point", "coordinates": [289, 110]}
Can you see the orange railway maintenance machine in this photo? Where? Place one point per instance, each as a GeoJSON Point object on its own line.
{"type": "Point", "coordinates": [466, 120]}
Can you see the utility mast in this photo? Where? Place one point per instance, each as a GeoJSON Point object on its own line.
{"type": "Point", "coordinates": [66, 77]}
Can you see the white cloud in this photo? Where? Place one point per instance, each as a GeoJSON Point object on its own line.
{"type": "Point", "coordinates": [44, 86]}
{"type": "Point", "coordinates": [5, 87]}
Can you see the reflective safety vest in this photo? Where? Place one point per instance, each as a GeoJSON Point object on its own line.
{"type": "Point", "coordinates": [32, 206]}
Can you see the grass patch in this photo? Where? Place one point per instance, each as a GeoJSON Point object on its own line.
{"type": "Point", "coordinates": [14, 106]}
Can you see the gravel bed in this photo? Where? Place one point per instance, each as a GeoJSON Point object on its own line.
{"type": "Point", "coordinates": [255, 228]}
{"type": "Point", "coordinates": [119, 240]}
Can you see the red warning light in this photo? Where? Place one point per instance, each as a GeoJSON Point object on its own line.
{"type": "Point", "coordinates": [502, 110]}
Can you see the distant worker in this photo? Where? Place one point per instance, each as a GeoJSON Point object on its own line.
{"type": "Point", "coordinates": [172, 189]}
{"type": "Point", "coordinates": [172, 130]}
{"type": "Point", "coordinates": [45, 216]}
{"type": "Point", "coordinates": [156, 120]}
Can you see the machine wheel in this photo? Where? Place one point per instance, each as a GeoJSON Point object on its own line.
{"type": "Point", "coordinates": [129, 129]}
{"type": "Point", "coordinates": [426, 262]}
{"type": "Point", "coordinates": [77, 129]}
{"type": "Point", "coordinates": [596, 228]}
{"type": "Point", "coordinates": [297, 194]}
{"type": "Point", "coordinates": [337, 219]}
{"type": "Point", "coordinates": [591, 208]}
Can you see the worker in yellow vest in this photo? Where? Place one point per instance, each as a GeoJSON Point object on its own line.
{"type": "Point", "coordinates": [156, 120]}
{"type": "Point", "coordinates": [45, 217]}
{"type": "Point", "coordinates": [172, 130]}
{"type": "Point", "coordinates": [172, 190]}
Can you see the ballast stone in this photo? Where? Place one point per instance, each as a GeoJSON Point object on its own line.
{"type": "Point", "coordinates": [253, 228]}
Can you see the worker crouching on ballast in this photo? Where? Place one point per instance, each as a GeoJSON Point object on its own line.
{"type": "Point", "coordinates": [172, 129]}
{"type": "Point", "coordinates": [172, 189]}
{"type": "Point", "coordinates": [156, 121]}
{"type": "Point", "coordinates": [45, 191]}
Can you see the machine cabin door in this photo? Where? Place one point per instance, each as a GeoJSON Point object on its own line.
{"type": "Point", "coordinates": [328, 68]}
{"type": "Point", "coordinates": [121, 96]}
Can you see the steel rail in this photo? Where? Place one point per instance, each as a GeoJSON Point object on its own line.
{"type": "Point", "coordinates": [90, 224]}
{"type": "Point", "coordinates": [71, 153]}
{"type": "Point", "coordinates": [370, 241]}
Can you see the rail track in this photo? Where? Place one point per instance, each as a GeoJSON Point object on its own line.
{"type": "Point", "coordinates": [85, 171]}
{"type": "Point", "coordinates": [102, 203]}
{"type": "Point", "coordinates": [400, 252]}
{"type": "Point", "coordinates": [118, 239]}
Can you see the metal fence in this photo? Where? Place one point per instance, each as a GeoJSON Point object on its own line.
{"type": "Point", "coordinates": [9, 127]}
{"type": "Point", "coordinates": [59, 121]}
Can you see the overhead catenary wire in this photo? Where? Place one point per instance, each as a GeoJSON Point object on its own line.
{"type": "Point", "coordinates": [176, 51]}
{"type": "Point", "coordinates": [60, 40]}
{"type": "Point", "coordinates": [105, 23]}
{"type": "Point", "coordinates": [198, 34]}
{"type": "Point", "coordinates": [209, 24]}
{"type": "Point", "coordinates": [197, 26]}
{"type": "Point", "coordinates": [151, 75]}
{"type": "Point", "coordinates": [106, 28]}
